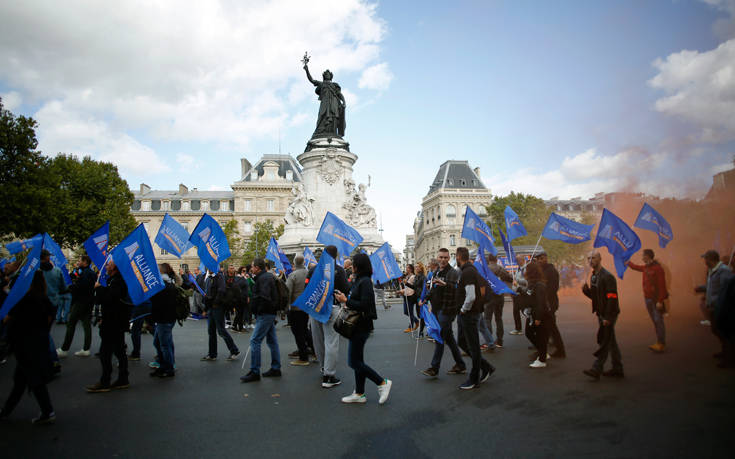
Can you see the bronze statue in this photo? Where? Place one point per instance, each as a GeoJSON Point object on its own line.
{"type": "Point", "coordinates": [331, 119]}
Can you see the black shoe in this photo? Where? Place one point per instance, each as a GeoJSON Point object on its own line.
{"type": "Point", "coordinates": [167, 374]}
{"type": "Point", "coordinates": [457, 370]}
{"type": "Point", "coordinates": [486, 372]}
{"type": "Point", "coordinates": [614, 373]}
{"type": "Point", "coordinates": [467, 385]}
{"type": "Point", "coordinates": [250, 377]}
{"type": "Point", "coordinates": [330, 381]}
{"type": "Point", "coordinates": [272, 373]}
{"type": "Point", "coordinates": [294, 354]}
{"type": "Point", "coordinates": [48, 418]}
{"type": "Point", "coordinates": [431, 372]}
{"type": "Point", "coordinates": [592, 373]}
{"type": "Point", "coordinates": [120, 384]}
{"type": "Point", "coordinates": [156, 373]}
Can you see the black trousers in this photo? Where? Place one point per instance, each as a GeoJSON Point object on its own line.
{"type": "Point", "coordinates": [553, 332]}
{"type": "Point", "coordinates": [20, 382]}
{"type": "Point", "coordinates": [517, 313]}
{"type": "Point", "coordinates": [238, 323]}
{"type": "Point", "coordinates": [538, 335]}
{"type": "Point", "coordinates": [79, 312]}
{"type": "Point", "coordinates": [495, 309]}
{"type": "Point", "coordinates": [113, 343]}
{"type": "Point", "coordinates": [469, 341]}
{"type": "Point", "coordinates": [608, 346]}
{"type": "Point", "coordinates": [300, 329]}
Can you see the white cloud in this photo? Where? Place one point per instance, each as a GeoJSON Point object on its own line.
{"type": "Point", "coordinates": [700, 88]}
{"type": "Point", "coordinates": [71, 133]}
{"type": "Point", "coordinates": [724, 27]}
{"type": "Point", "coordinates": [376, 77]}
{"type": "Point", "coordinates": [185, 162]}
{"type": "Point", "coordinates": [11, 100]}
{"type": "Point", "coordinates": [223, 72]}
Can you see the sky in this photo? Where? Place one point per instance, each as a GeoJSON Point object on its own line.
{"type": "Point", "coordinates": [556, 99]}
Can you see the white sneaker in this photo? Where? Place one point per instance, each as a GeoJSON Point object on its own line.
{"type": "Point", "coordinates": [705, 322]}
{"type": "Point", "coordinates": [82, 353]}
{"type": "Point", "coordinates": [61, 353]}
{"type": "Point", "coordinates": [384, 391]}
{"type": "Point", "coordinates": [538, 364]}
{"type": "Point", "coordinates": [354, 398]}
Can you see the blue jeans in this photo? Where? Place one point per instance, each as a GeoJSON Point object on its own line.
{"type": "Point", "coordinates": [215, 326]}
{"type": "Point", "coordinates": [447, 334]}
{"type": "Point", "coordinates": [469, 340]}
{"type": "Point", "coordinates": [356, 361]}
{"type": "Point", "coordinates": [163, 340]}
{"type": "Point", "coordinates": [265, 327]}
{"type": "Point", "coordinates": [62, 315]}
{"type": "Point", "coordinates": [487, 335]}
{"type": "Point", "coordinates": [658, 320]}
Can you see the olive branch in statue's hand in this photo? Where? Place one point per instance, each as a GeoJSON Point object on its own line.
{"type": "Point", "coordinates": [305, 59]}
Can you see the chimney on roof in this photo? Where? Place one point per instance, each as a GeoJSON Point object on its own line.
{"type": "Point", "coordinates": [183, 189]}
{"type": "Point", "coordinates": [245, 167]}
{"type": "Point", "coordinates": [477, 172]}
{"type": "Point", "coordinates": [144, 188]}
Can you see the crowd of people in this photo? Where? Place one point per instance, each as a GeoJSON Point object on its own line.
{"type": "Point", "coordinates": [253, 298]}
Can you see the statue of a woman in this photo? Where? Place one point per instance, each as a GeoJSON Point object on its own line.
{"type": "Point", "coordinates": [331, 120]}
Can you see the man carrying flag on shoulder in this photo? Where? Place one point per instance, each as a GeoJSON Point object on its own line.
{"type": "Point", "coordinates": [654, 293]}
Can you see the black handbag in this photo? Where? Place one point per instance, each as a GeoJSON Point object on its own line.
{"type": "Point", "coordinates": [346, 321]}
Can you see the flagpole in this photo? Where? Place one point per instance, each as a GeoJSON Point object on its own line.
{"type": "Point", "coordinates": [534, 249]}
{"type": "Point", "coordinates": [245, 359]}
{"type": "Point", "coordinates": [416, 353]}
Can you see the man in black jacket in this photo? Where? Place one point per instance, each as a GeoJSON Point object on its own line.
{"type": "Point", "coordinates": [442, 297]}
{"type": "Point", "coordinates": [116, 307]}
{"type": "Point", "coordinates": [215, 310]}
{"type": "Point", "coordinates": [603, 291]}
{"type": "Point", "coordinates": [82, 301]}
{"type": "Point", "coordinates": [163, 314]}
{"type": "Point", "coordinates": [494, 307]}
{"type": "Point", "coordinates": [265, 308]}
{"type": "Point", "coordinates": [236, 297]}
{"type": "Point", "coordinates": [551, 276]}
{"type": "Point", "coordinates": [470, 299]}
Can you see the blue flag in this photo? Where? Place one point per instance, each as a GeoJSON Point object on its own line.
{"type": "Point", "coordinates": [211, 243]}
{"type": "Point", "coordinates": [97, 245]}
{"type": "Point", "coordinates": [384, 265]}
{"type": "Point", "coordinates": [432, 325]}
{"type": "Point", "coordinates": [193, 280]}
{"type": "Point", "coordinates": [317, 298]}
{"type": "Point", "coordinates": [276, 255]}
{"type": "Point", "coordinates": [496, 284]}
{"type": "Point", "coordinates": [509, 253]}
{"type": "Point", "coordinates": [563, 229]}
{"type": "Point", "coordinates": [135, 260]}
{"type": "Point", "coordinates": [620, 240]}
{"type": "Point", "coordinates": [513, 225]}
{"type": "Point", "coordinates": [19, 246]}
{"type": "Point", "coordinates": [425, 290]}
{"type": "Point", "coordinates": [338, 233]}
{"type": "Point", "coordinates": [172, 237]}
{"type": "Point", "coordinates": [57, 256]}
{"type": "Point", "coordinates": [508, 264]}
{"type": "Point", "coordinates": [23, 281]}
{"type": "Point", "coordinates": [5, 261]}
{"type": "Point", "coordinates": [477, 230]}
{"type": "Point", "coordinates": [202, 267]}
{"type": "Point", "coordinates": [309, 257]}
{"type": "Point", "coordinates": [651, 220]}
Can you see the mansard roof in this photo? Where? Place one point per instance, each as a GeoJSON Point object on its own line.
{"type": "Point", "coordinates": [285, 163]}
{"type": "Point", "coordinates": [456, 175]}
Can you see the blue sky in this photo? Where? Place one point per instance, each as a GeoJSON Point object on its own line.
{"type": "Point", "coordinates": [550, 98]}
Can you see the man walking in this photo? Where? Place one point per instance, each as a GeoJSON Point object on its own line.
{"type": "Point", "coordinates": [443, 303]}
{"type": "Point", "coordinates": [299, 320]}
{"type": "Point", "coordinates": [264, 308]}
{"type": "Point", "coordinates": [82, 299]}
{"type": "Point", "coordinates": [551, 276]}
{"type": "Point", "coordinates": [215, 310]}
{"type": "Point", "coordinates": [495, 306]}
{"type": "Point", "coordinates": [470, 300]}
{"type": "Point", "coordinates": [603, 291]}
{"type": "Point", "coordinates": [654, 294]}
{"type": "Point", "coordinates": [718, 276]}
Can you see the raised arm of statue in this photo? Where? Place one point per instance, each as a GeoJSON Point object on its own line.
{"type": "Point", "coordinates": [308, 75]}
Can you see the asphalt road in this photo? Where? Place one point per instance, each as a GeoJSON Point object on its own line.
{"type": "Point", "coordinates": [676, 404]}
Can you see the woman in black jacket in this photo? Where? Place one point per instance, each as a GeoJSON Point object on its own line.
{"type": "Point", "coordinates": [362, 299]}
{"type": "Point", "coordinates": [537, 324]}
{"type": "Point", "coordinates": [28, 334]}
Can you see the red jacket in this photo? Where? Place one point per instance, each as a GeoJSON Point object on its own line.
{"type": "Point", "coordinates": [654, 281]}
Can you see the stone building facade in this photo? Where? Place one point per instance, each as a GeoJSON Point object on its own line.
{"type": "Point", "coordinates": [263, 192]}
{"type": "Point", "coordinates": [439, 223]}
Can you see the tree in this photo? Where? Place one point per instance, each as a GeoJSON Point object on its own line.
{"type": "Point", "coordinates": [258, 242]}
{"type": "Point", "coordinates": [534, 213]}
{"type": "Point", "coordinates": [233, 239]}
{"type": "Point", "coordinates": [26, 188]}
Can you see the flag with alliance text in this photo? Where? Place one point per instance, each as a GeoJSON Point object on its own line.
{"type": "Point", "coordinates": [509, 253]}
{"type": "Point", "coordinates": [513, 225]}
{"type": "Point", "coordinates": [620, 240]}
{"type": "Point", "coordinates": [276, 255]}
{"type": "Point", "coordinates": [563, 229]}
{"type": "Point", "coordinates": [339, 234]}
{"type": "Point", "coordinates": [57, 256]}
{"type": "Point", "coordinates": [384, 265]}
{"type": "Point", "coordinates": [173, 237]}
{"type": "Point", "coordinates": [19, 246]}
{"type": "Point", "coordinates": [23, 281]}
{"type": "Point", "coordinates": [498, 286]}
{"type": "Point", "coordinates": [97, 245]}
{"type": "Point", "coordinates": [651, 220]}
{"type": "Point", "coordinates": [317, 297]}
{"type": "Point", "coordinates": [309, 257]}
{"type": "Point", "coordinates": [211, 243]}
{"type": "Point", "coordinates": [136, 262]}
{"type": "Point", "coordinates": [477, 230]}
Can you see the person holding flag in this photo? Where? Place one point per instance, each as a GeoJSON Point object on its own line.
{"type": "Point", "coordinates": [654, 294]}
{"type": "Point", "coordinates": [551, 276]}
{"type": "Point", "coordinates": [82, 300]}
{"type": "Point", "coordinates": [362, 299]}
{"type": "Point", "coordinates": [537, 324]}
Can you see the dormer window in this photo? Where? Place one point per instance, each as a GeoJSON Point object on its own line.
{"type": "Point", "coordinates": [289, 175]}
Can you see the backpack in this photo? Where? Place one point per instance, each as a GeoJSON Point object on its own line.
{"type": "Point", "coordinates": [182, 304]}
{"type": "Point", "coordinates": [281, 301]}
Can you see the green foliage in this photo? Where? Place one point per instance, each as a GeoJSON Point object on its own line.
{"type": "Point", "coordinates": [233, 239]}
{"type": "Point", "coordinates": [64, 196]}
{"type": "Point", "coordinates": [258, 242]}
{"type": "Point", "coordinates": [534, 213]}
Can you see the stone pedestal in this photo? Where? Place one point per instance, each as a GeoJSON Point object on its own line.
{"type": "Point", "coordinates": [327, 186]}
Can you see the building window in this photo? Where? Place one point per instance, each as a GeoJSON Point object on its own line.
{"type": "Point", "coordinates": [176, 204]}
{"type": "Point", "coordinates": [163, 252]}
{"type": "Point", "coordinates": [451, 240]}
{"type": "Point", "coordinates": [214, 205]}
{"type": "Point", "coordinates": [146, 205]}
{"type": "Point", "coordinates": [289, 175]}
{"type": "Point", "coordinates": [136, 205]}
{"type": "Point", "coordinates": [232, 204]}
{"type": "Point", "coordinates": [248, 205]}
{"type": "Point", "coordinates": [156, 204]}
{"type": "Point", "coordinates": [463, 182]}
{"type": "Point", "coordinates": [451, 211]}
{"type": "Point", "coordinates": [196, 204]}
{"type": "Point", "coordinates": [270, 205]}
{"type": "Point", "coordinates": [248, 227]}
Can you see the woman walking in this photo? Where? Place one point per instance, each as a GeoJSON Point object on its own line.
{"type": "Point", "coordinates": [28, 334]}
{"type": "Point", "coordinates": [537, 324]}
{"type": "Point", "coordinates": [362, 299]}
{"type": "Point", "coordinates": [409, 298]}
